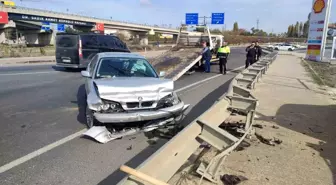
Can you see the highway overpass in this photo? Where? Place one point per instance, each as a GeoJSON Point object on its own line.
{"type": "Point", "coordinates": [18, 15]}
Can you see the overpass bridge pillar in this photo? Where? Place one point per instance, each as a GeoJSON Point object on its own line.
{"type": "Point", "coordinates": [141, 39]}
{"type": "Point", "coordinates": [144, 40]}
{"type": "Point", "coordinates": [175, 38]}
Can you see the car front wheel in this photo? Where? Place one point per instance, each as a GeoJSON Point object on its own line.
{"type": "Point", "coordinates": [290, 49]}
{"type": "Point", "coordinates": [276, 49]}
{"type": "Point", "coordinates": [90, 120]}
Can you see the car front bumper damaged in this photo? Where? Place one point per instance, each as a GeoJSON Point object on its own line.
{"type": "Point", "coordinates": [156, 119]}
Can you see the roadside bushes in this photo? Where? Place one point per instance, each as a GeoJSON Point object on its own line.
{"type": "Point", "coordinates": [23, 51]}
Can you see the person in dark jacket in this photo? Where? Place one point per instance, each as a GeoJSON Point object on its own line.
{"type": "Point", "coordinates": [250, 55]}
{"type": "Point", "coordinates": [206, 56]}
{"type": "Point", "coordinates": [259, 51]}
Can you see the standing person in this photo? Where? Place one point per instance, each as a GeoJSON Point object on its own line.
{"type": "Point", "coordinates": [206, 56]}
{"type": "Point", "coordinates": [223, 54]}
{"type": "Point", "coordinates": [250, 55]}
{"type": "Point", "coordinates": [259, 51]}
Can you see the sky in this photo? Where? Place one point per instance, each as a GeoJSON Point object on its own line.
{"type": "Point", "coordinates": [274, 16]}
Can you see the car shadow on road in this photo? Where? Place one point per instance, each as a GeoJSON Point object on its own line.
{"type": "Point", "coordinates": [195, 112]}
{"type": "Point", "coordinates": [69, 70]}
{"type": "Point", "coordinates": [317, 122]}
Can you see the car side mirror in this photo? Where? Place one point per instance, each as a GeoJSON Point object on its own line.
{"type": "Point", "coordinates": [86, 74]}
{"type": "Point", "coordinates": [162, 74]}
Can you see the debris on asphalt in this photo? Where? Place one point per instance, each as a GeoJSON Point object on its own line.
{"type": "Point", "coordinates": [233, 128]}
{"type": "Point", "coordinates": [237, 112]}
{"type": "Point", "coordinates": [257, 126]}
{"type": "Point", "coordinates": [129, 148]}
{"type": "Point", "coordinates": [275, 127]}
{"type": "Point", "coordinates": [232, 179]}
{"type": "Point", "coordinates": [268, 141]}
{"type": "Point", "coordinates": [277, 141]}
{"type": "Point", "coordinates": [233, 113]}
{"type": "Point", "coordinates": [151, 142]}
{"type": "Point", "coordinates": [205, 145]}
{"type": "Point", "coordinates": [242, 146]}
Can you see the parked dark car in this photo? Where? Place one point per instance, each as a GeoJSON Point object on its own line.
{"type": "Point", "coordinates": [76, 50]}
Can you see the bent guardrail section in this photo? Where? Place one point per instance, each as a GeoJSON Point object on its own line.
{"type": "Point", "coordinates": [165, 162]}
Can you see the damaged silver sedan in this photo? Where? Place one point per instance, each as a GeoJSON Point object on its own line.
{"type": "Point", "coordinates": [125, 95]}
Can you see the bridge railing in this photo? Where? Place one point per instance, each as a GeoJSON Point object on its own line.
{"type": "Point", "coordinates": [57, 14]}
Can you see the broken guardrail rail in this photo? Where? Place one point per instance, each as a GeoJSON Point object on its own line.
{"type": "Point", "coordinates": [165, 162]}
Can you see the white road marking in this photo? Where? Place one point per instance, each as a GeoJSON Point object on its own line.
{"type": "Point", "coordinates": [32, 73]}
{"type": "Point", "coordinates": [51, 146]}
{"type": "Point", "coordinates": [40, 151]}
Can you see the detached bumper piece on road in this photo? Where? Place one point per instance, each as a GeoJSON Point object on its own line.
{"type": "Point", "coordinates": [155, 120]}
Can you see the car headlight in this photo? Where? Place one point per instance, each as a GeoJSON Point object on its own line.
{"type": "Point", "coordinates": [169, 100]}
{"type": "Point", "coordinates": [108, 106]}
{"type": "Point", "coordinates": [105, 106]}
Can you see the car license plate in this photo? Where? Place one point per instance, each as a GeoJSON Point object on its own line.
{"type": "Point", "coordinates": [66, 60]}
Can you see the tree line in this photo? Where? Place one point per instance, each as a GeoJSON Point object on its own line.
{"type": "Point", "coordinates": [298, 30]}
{"type": "Point", "coordinates": [244, 32]}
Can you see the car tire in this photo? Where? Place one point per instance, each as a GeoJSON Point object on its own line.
{"type": "Point", "coordinates": [290, 49]}
{"type": "Point", "coordinates": [90, 120]}
{"type": "Point", "coordinates": [68, 69]}
{"type": "Point", "coordinates": [276, 49]}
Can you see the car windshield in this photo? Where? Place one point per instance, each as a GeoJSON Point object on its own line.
{"type": "Point", "coordinates": [124, 67]}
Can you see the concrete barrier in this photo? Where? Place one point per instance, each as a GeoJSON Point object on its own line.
{"type": "Point", "coordinates": [164, 163]}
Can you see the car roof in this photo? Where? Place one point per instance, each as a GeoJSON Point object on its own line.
{"type": "Point", "coordinates": [96, 34]}
{"type": "Point", "coordinates": [120, 54]}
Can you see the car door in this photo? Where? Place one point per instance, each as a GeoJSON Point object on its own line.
{"type": "Point", "coordinates": [288, 46]}
{"type": "Point", "coordinates": [67, 49]}
{"type": "Point", "coordinates": [90, 47]}
{"type": "Point", "coordinates": [284, 47]}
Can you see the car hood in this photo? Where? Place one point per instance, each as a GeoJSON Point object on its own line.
{"type": "Point", "coordinates": [128, 89]}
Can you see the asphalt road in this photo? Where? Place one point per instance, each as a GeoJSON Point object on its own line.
{"type": "Point", "coordinates": [41, 105]}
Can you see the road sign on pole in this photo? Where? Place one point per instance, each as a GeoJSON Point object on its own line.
{"type": "Point", "coordinates": [217, 18]}
{"type": "Point", "coordinates": [60, 27]}
{"type": "Point", "coordinates": [45, 26]}
{"type": "Point", "coordinates": [191, 18]}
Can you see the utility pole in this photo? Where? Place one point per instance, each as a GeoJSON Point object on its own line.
{"type": "Point", "coordinates": [204, 19]}
{"type": "Point", "coordinates": [257, 24]}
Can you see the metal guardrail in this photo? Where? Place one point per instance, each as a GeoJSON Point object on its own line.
{"type": "Point", "coordinates": [165, 162]}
